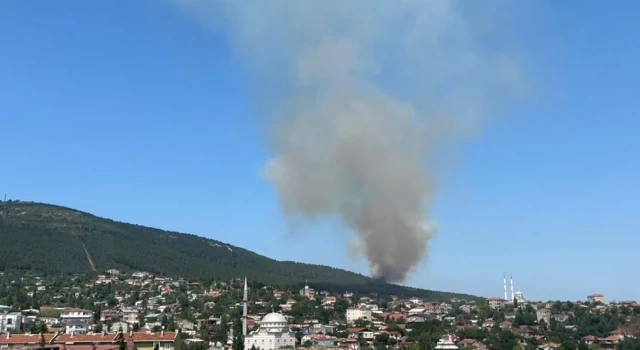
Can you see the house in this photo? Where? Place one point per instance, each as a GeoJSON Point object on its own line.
{"type": "Point", "coordinates": [418, 318]}
{"type": "Point", "coordinates": [319, 340]}
{"type": "Point", "coordinates": [88, 339]}
{"type": "Point", "coordinates": [210, 323]}
{"type": "Point", "coordinates": [361, 313]}
{"type": "Point", "coordinates": [417, 310]}
{"type": "Point", "coordinates": [416, 301]}
{"type": "Point", "coordinates": [76, 320]}
{"type": "Point", "coordinates": [150, 341]}
{"type": "Point", "coordinates": [11, 322]}
{"type": "Point", "coordinates": [549, 346]}
{"type": "Point", "coordinates": [329, 300]}
{"type": "Point", "coordinates": [589, 339]}
{"type": "Point", "coordinates": [618, 333]}
{"type": "Point", "coordinates": [465, 308]}
{"type": "Point", "coordinates": [543, 315]}
{"type": "Point", "coordinates": [307, 292]}
{"type": "Point", "coordinates": [355, 333]}
{"type": "Point", "coordinates": [560, 318]}
{"type": "Point", "coordinates": [506, 325]}
{"type": "Point", "coordinates": [19, 341]}
{"type": "Point", "coordinates": [470, 343]}
{"type": "Point", "coordinates": [433, 306]}
{"type": "Point", "coordinates": [596, 298]}
{"type": "Point", "coordinates": [119, 327]}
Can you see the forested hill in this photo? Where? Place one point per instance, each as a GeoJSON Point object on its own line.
{"type": "Point", "coordinates": [58, 240]}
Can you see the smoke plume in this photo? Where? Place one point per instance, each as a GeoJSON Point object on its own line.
{"type": "Point", "coordinates": [360, 95]}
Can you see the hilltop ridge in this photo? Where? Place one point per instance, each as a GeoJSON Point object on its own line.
{"type": "Point", "coordinates": [58, 240]}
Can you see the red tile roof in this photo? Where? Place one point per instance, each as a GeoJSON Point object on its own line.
{"type": "Point", "coordinates": [25, 338]}
{"type": "Point", "coordinates": [86, 338]}
{"type": "Point", "coordinates": [146, 337]}
{"type": "Point", "coordinates": [355, 330]}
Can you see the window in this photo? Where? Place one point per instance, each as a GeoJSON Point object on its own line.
{"type": "Point", "coordinates": [166, 346]}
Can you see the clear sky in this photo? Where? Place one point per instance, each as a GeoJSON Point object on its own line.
{"type": "Point", "coordinates": [135, 111]}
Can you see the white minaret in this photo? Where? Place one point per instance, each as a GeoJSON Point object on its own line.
{"type": "Point", "coordinates": [504, 279]}
{"type": "Point", "coordinates": [513, 297]}
{"type": "Point", "coordinates": [244, 309]}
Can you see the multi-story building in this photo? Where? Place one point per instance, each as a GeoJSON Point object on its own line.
{"type": "Point", "coordinates": [10, 322]}
{"type": "Point", "coordinates": [308, 292]}
{"type": "Point", "coordinates": [76, 320]}
{"type": "Point", "coordinates": [593, 298]}
{"type": "Point", "coordinates": [543, 314]}
{"type": "Point", "coordinates": [361, 313]}
{"type": "Point", "coordinates": [496, 303]}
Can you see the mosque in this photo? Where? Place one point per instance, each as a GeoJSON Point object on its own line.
{"type": "Point", "coordinates": [274, 332]}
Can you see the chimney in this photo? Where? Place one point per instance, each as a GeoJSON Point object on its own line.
{"type": "Point", "coordinates": [162, 332]}
{"type": "Point", "coordinates": [8, 335]}
{"type": "Point", "coordinates": [72, 334]}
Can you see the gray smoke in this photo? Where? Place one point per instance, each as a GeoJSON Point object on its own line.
{"type": "Point", "coordinates": [361, 95]}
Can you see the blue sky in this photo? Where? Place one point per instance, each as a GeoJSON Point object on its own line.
{"type": "Point", "coordinates": [136, 111]}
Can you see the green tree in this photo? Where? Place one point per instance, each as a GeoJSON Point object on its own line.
{"type": "Point", "coordinates": [238, 338]}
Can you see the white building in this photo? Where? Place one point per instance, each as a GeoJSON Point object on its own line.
{"type": "Point", "coordinates": [416, 301]}
{"type": "Point", "coordinates": [10, 322]}
{"type": "Point", "coordinates": [596, 298]}
{"type": "Point", "coordinates": [76, 320]}
{"type": "Point", "coordinates": [308, 292]}
{"type": "Point", "coordinates": [273, 334]}
{"type": "Point", "coordinates": [519, 297]}
{"type": "Point", "coordinates": [446, 343]}
{"type": "Point", "coordinates": [361, 313]}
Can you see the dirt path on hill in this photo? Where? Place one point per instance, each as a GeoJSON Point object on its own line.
{"type": "Point", "coordinates": [93, 266]}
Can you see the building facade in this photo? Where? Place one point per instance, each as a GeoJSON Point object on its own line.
{"type": "Point", "coordinates": [496, 303]}
{"type": "Point", "coordinates": [76, 320]}
{"type": "Point", "coordinates": [274, 333]}
{"type": "Point", "coordinates": [307, 292]}
{"type": "Point", "coordinates": [361, 313]}
{"type": "Point", "coordinates": [593, 298]}
{"type": "Point", "coordinates": [10, 322]}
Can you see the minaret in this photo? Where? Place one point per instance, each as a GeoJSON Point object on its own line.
{"type": "Point", "coordinates": [512, 295]}
{"type": "Point", "coordinates": [504, 278]}
{"type": "Point", "coordinates": [244, 309]}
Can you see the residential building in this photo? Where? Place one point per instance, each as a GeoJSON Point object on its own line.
{"type": "Point", "coordinates": [19, 341]}
{"type": "Point", "coordinates": [150, 341]}
{"type": "Point", "coordinates": [361, 313]}
{"type": "Point", "coordinates": [307, 292]}
{"type": "Point", "coordinates": [416, 301]}
{"type": "Point", "coordinates": [76, 320]}
{"type": "Point", "coordinates": [10, 322]}
{"type": "Point", "coordinates": [543, 315]}
{"type": "Point", "coordinates": [447, 343]}
{"type": "Point", "coordinates": [593, 298]}
{"type": "Point", "coordinates": [496, 303]}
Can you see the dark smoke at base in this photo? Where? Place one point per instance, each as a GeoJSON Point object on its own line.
{"type": "Point", "coordinates": [361, 94]}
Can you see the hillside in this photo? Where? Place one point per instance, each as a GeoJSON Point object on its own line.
{"type": "Point", "coordinates": [58, 240]}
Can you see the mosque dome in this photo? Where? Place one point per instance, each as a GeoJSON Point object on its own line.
{"type": "Point", "coordinates": [273, 317]}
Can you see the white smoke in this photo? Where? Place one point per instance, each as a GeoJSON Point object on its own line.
{"type": "Point", "coordinates": [360, 94]}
